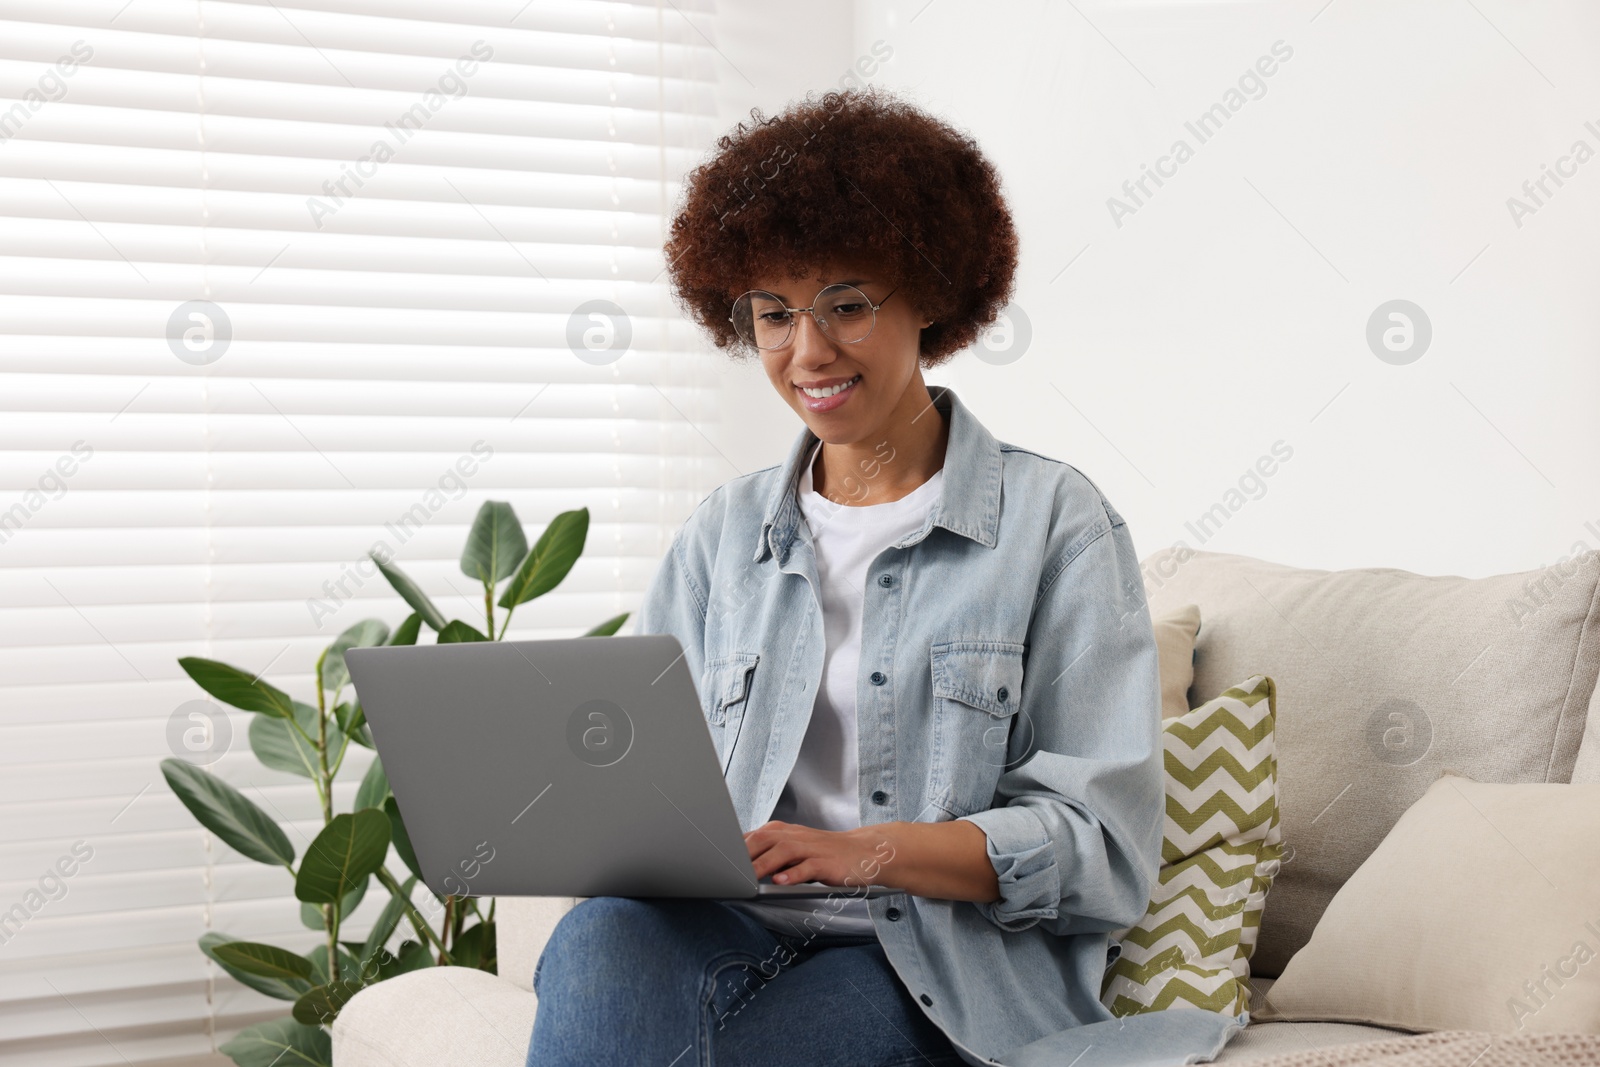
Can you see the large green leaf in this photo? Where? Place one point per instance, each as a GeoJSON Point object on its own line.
{"type": "Point", "coordinates": [347, 851]}
{"type": "Point", "coordinates": [411, 593]}
{"type": "Point", "coordinates": [282, 988]}
{"type": "Point", "coordinates": [322, 1005]}
{"type": "Point", "coordinates": [495, 544]}
{"type": "Point", "coordinates": [553, 555]}
{"type": "Point", "coordinates": [374, 786]}
{"type": "Point", "coordinates": [475, 947]}
{"type": "Point", "coordinates": [609, 627]}
{"type": "Point", "coordinates": [400, 837]}
{"type": "Point", "coordinates": [457, 632]}
{"type": "Point", "coordinates": [311, 914]}
{"type": "Point", "coordinates": [278, 745]}
{"type": "Point", "coordinates": [413, 956]}
{"type": "Point", "coordinates": [268, 961]}
{"type": "Point", "coordinates": [407, 632]}
{"type": "Point", "coordinates": [281, 1043]}
{"type": "Point", "coordinates": [233, 686]}
{"type": "Point", "coordinates": [352, 720]}
{"type": "Point", "coordinates": [224, 811]}
{"type": "Point", "coordinates": [364, 634]}
{"type": "Point", "coordinates": [388, 919]}
{"type": "Point", "coordinates": [349, 966]}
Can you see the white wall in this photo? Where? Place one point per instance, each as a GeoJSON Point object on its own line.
{"type": "Point", "coordinates": [770, 54]}
{"type": "Point", "coordinates": [1229, 311]}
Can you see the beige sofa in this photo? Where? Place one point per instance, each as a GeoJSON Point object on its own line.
{"type": "Point", "coordinates": [1384, 679]}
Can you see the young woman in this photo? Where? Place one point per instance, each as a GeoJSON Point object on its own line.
{"type": "Point", "coordinates": [923, 653]}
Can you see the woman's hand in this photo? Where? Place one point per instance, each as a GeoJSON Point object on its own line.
{"type": "Point", "coordinates": [792, 853]}
{"type": "Point", "coordinates": [947, 860]}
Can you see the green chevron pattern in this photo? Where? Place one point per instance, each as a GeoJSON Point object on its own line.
{"type": "Point", "coordinates": [1219, 853]}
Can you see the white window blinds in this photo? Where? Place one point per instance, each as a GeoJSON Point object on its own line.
{"type": "Point", "coordinates": [395, 216]}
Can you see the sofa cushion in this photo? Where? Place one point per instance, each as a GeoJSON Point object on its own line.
{"type": "Point", "coordinates": [1386, 677]}
{"type": "Point", "coordinates": [1219, 852]}
{"type": "Point", "coordinates": [1479, 911]}
{"type": "Point", "coordinates": [1587, 768]}
{"type": "Point", "coordinates": [1175, 633]}
{"type": "Point", "coordinates": [522, 927]}
{"type": "Point", "coordinates": [454, 1017]}
{"type": "Point", "coordinates": [438, 1016]}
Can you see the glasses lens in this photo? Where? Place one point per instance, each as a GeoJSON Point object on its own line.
{"type": "Point", "coordinates": [844, 313]}
{"type": "Point", "coordinates": [761, 320]}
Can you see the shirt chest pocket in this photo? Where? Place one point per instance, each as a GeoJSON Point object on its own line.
{"type": "Point", "coordinates": [977, 692]}
{"type": "Point", "coordinates": [726, 692]}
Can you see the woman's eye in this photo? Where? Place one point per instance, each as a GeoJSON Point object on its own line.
{"type": "Point", "coordinates": [773, 316]}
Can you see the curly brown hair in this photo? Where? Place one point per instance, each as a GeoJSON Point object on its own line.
{"type": "Point", "coordinates": [858, 173]}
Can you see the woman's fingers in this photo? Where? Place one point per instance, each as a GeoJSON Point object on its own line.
{"type": "Point", "coordinates": [780, 855]}
{"type": "Point", "coordinates": [791, 853]}
{"type": "Point", "coordinates": [765, 836]}
{"type": "Point", "coordinates": [807, 870]}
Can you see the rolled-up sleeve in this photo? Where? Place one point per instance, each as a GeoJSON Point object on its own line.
{"type": "Point", "coordinates": [1076, 845]}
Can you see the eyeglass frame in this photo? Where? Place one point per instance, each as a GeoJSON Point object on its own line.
{"type": "Point", "coordinates": [813, 313]}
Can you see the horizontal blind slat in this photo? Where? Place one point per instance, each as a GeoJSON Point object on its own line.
{"type": "Point", "coordinates": [380, 328]}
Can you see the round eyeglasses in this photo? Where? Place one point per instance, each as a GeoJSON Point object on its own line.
{"type": "Point", "coordinates": [843, 312]}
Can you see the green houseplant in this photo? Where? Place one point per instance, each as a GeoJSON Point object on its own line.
{"type": "Point", "coordinates": [351, 851]}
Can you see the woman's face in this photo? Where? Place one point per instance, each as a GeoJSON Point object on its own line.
{"type": "Point", "coordinates": [884, 363]}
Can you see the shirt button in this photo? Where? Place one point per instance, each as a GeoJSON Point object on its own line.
{"type": "Point", "coordinates": [893, 915]}
{"type": "Point", "coordinates": [927, 1000]}
{"type": "Point", "coordinates": [878, 678]}
{"type": "Point", "coordinates": [880, 797]}
{"type": "Point", "coordinates": [885, 580]}
{"type": "Point", "coordinates": [1002, 694]}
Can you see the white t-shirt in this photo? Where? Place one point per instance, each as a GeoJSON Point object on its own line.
{"type": "Point", "coordinates": [823, 789]}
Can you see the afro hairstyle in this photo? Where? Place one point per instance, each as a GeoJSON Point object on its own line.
{"type": "Point", "coordinates": [858, 174]}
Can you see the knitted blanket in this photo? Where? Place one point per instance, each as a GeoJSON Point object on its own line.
{"type": "Point", "coordinates": [1449, 1048]}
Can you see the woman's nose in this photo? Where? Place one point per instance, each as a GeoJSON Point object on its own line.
{"type": "Point", "coordinates": [810, 342]}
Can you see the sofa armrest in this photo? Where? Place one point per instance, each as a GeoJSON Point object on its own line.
{"type": "Point", "coordinates": [522, 926]}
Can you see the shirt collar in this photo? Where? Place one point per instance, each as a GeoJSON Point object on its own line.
{"type": "Point", "coordinates": [968, 504]}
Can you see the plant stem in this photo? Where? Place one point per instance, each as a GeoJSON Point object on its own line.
{"type": "Point", "coordinates": [339, 760]}
{"type": "Point", "coordinates": [330, 912]}
{"type": "Point", "coordinates": [506, 623]}
{"type": "Point", "coordinates": [295, 724]}
{"type": "Point", "coordinates": [488, 607]}
{"type": "Point", "coordinates": [449, 914]}
{"type": "Point", "coordinates": [330, 919]}
{"type": "Point", "coordinates": [326, 779]}
{"type": "Point", "coordinates": [322, 706]}
{"type": "Point", "coordinates": [324, 795]}
{"type": "Point", "coordinates": [418, 923]}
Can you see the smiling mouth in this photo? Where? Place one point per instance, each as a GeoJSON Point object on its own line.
{"type": "Point", "coordinates": [832, 390]}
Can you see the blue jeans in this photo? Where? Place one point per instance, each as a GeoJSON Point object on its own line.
{"type": "Point", "coordinates": [689, 983]}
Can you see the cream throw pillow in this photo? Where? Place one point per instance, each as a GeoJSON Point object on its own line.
{"type": "Point", "coordinates": [1175, 634]}
{"type": "Point", "coordinates": [1479, 911]}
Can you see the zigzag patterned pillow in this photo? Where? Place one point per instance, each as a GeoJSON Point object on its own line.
{"type": "Point", "coordinates": [1219, 853]}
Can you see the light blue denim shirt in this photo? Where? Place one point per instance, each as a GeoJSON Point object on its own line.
{"type": "Point", "coordinates": [1008, 677]}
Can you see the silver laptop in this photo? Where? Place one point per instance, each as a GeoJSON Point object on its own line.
{"type": "Point", "coordinates": [573, 768]}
